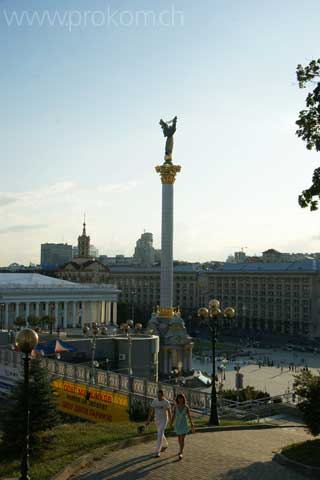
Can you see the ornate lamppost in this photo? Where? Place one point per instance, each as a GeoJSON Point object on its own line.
{"type": "Point", "coordinates": [126, 327]}
{"type": "Point", "coordinates": [211, 316]}
{"type": "Point", "coordinates": [95, 332]}
{"type": "Point", "coordinates": [26, 340]}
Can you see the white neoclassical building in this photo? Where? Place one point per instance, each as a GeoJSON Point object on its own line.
{"type": "Point", "coordinates": [71, 304]}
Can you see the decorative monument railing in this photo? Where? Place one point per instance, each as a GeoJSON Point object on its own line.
{"type": "Point", "coordinates": [141, 388]}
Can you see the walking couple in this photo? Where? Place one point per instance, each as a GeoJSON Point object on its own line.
{"type": "Point", "coordinates": [160, 409]}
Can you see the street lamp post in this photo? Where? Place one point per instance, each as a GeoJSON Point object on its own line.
{"type": "Point", "coordinates": [26, 340]}
{"type": "Point", "coordinates": [95, 331]}
{"type": "Point", "coordinates": [125, 327]}
{"type": "Point", "coordinates": [210, 316]}
{"type": "Point", "coordinates": [133, 293]}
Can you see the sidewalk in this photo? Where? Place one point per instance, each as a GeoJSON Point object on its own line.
{"type": "Point", "coordinates": [236, 455]}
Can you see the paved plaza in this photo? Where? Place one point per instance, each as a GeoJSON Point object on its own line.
{"type": "Point", "coordinates": [275, 380]}
{"type": "Point", "coordinates": [232, 455]}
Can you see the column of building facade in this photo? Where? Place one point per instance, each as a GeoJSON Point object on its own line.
{"type": "Point", "coordinates": [92, 312]}
{"type": "Point", "coordinates": [108, 312]}
{"type": "Point", "coordinates": [56, 314]}
{"type": "Point", "coordinates": [17, 309]}
{"type": "Point", "coordinates": [65, 314]}
{"type": "Point", "coordinates": [27, 312]}
{"type": "Point", "coordinates": [46, 310]}
{"type": "Point", "coordinates": [74, 314]}
{"type": "Point", "coordinates": [99, 308]}
{"type": "Point", "coordinates": [115, 313]}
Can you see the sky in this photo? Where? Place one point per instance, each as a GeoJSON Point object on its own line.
{"type": "Point", "coordinates": [83, 86]}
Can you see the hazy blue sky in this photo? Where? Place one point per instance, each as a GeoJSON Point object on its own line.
{"type": "Point", "coordinates": [80, 106]}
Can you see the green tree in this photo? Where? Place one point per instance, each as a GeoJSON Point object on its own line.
{"type": "Point", "coordinates": [307, 387]}
{"type": "Point", "coordinates": [43, 411]}
{"type": "Point", "coordinates": [33, 321]}
{"type": "Point", "coordinates": [20, 321]}
{"type": "Point", "coordinates": [309, 126]}
{"type": "Point", "coordinates": [47, 320]}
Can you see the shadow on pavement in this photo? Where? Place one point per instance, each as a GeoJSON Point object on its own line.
{"type": "Point", "coordinates": [117, 471]}
{"type": "Point", "coordinates": [261, 471]}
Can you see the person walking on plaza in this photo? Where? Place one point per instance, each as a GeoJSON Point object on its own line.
{"type": "Point", "coordinates": [180, 414]}
{"type": "Point", "coordinates": [160, 410]}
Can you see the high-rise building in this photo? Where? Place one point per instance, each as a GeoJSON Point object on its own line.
{"type": "Point", "coordinates": [144, 253]}
{"type": "Point", "coordinates": [54, 255]}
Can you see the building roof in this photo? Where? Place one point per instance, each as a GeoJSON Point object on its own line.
{"type": "Point", "coordinates": [297, 267]}
{"type": "Point", "coordinates": [305, 266]}
{"type": "Point", "coordinates": [36, 281]}
{"type": "Point", "coordinates": [32, 279]}
{"type": "Point", "coordinates": [155, 270]}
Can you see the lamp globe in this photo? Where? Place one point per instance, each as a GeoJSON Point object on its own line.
{"type": "Point", "coordinates": [26, 340]}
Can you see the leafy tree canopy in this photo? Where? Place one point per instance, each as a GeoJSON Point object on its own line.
{"type": "Point", "coordinates": [309, 126]}
{"type": "Point", "coordinates": [307, 387]}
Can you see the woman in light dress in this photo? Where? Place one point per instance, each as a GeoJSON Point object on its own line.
{"type": "Point", "coordinates": [181, 414]}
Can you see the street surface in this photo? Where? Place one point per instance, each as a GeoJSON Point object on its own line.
{"type": "Point", "coordinates": [232, 455]}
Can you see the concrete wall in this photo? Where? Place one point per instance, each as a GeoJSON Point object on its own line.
{"type": "Point", "coordinates": [144, 354]}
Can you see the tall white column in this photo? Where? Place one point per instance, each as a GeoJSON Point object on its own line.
{"type": "Point", "coordinates": [56, 314]}
{"type": "Point", "coordinates": [6, 316]}
{"type": "Point", "coordinates": [37, 309]}
{"type": "Point", "coordinates": [115, 313]}
{"type": "Point", "coordinates": [27, 312]}
{"type": "Point", "coordinates": [168, 173]}
{"type": "Point", "coordinates": [65, 314]}
{"type": "Point", "coordinates": [74, 314]}
{"type": "Point", "coordinates": [92, 316]}
{"type": "Point", "coordinates": [17, 309]}
{"type": "Point", "coordinates": [99, 305]}
{"type": "Point", "coordinates": [103, 312]}
{"type": "Point", "coordinates": [166, 285]}
{"type": "Point", "coordinates": [108, 312]}
{"type": "Point", "coordinates": [46, 312]}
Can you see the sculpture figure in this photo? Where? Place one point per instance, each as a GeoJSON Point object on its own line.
{"type": "Point", "coordinates": [169, 129]}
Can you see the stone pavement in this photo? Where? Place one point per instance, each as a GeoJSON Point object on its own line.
{"type": "Point", "coordinates": [232, 455]}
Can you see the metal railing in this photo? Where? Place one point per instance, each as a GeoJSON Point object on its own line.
{"type": "Point", "coordinates": [198, 400]}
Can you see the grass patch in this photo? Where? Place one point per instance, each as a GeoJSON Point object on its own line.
{"type": "Point", "coordinates": [305, 452]}
{"type": "Point", "coordinates": [64, 444]}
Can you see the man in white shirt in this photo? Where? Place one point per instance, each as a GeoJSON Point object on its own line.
{"type": "Point", "coordinates": [160, 409]}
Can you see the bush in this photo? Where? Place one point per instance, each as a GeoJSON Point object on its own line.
{"type": "Point", "coordinates": [42, 406]}
{"type": "Point", "coordinates": [248, 393]}
{"type": "Point", "coordinates": [307, 387]}
{"type": "Point", "coordinates": [139, 412]}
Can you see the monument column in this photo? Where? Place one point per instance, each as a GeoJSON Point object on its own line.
{"type": "Point", "coordinates": [168, 173]}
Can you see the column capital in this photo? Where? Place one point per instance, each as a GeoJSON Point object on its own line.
{"type": "Point", "coordinates": [168, 172]}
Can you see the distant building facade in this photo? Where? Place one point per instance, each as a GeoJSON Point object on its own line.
{"type": "Point", "coordinates": [54, 255]}
{"type": "Point", "coordinates": [72, 305]}
{"type": "Point", "coordinates": [277, 298]}
{"type": "Point", "coordinates": [83, 268]}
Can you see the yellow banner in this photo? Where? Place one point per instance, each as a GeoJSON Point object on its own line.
{"type": "Point", "coordinates": [90, 402]}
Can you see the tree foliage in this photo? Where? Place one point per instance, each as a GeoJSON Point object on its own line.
{"type": "Point", "coordinates": [307, 387]}
{"type": "Point", "coordinates": [248, 393]}
{"type": "Point", "coordinates": [20, 321]}
{"type": "Point", "coordinates": [309, 126]}
{"type": "Point", "coordinates": [42, 406]}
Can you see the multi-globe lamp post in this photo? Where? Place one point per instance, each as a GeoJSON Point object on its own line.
{"type": "Point", "coordinates": [211, 317]}
{"type": "Point", "coordinates": [26, 340]}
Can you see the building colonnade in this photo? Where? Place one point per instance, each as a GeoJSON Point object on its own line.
{"type": "Point", "coordinates": [67, 313]}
